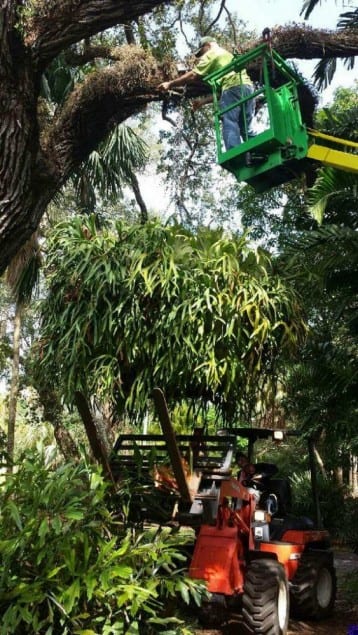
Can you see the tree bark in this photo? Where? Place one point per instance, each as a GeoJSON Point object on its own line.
{"type": "Point", "coordinates": [139, 198]}
{"type": "Point", "coordinates": [65, 442]}
{"type": "Point", "coordinates": [353, 475]}
{"type": "Point", "coordinates": [338, 475]}
{"type": "Point", "coordinates": [56, 24]}
{"type": "Point", "coordinates": [314, 484]}
{"type": "Point", "coordinates": [319, 462]}
{"type": "Point", "coordinates": [304, 43]}
{"type": "Point", "coordinates": [53, 413]}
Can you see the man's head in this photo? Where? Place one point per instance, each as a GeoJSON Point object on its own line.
{"type": "Point", "coordinates": [204, 45]}
{"type": "Point", "coordinates": [250, 469]}
{"type": "Point", "coordinates": [241, 459]}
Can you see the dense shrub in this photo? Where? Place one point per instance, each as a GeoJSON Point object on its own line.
{"type": "Point", "coordinates": [69, 565]}
{"type": "Point", "coordinates": [339, 512]}
{"type": "Point", "coordinates": [347, 524]}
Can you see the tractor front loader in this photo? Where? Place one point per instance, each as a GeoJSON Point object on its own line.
{"type": "Point", "coordinates": [248, 549]}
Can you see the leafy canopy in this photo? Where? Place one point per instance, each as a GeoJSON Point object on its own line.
{"type": "Point", "coordinates": [134, 306]}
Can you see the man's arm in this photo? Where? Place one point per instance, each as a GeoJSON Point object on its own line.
{"type": "Point", "coordinates": [198, 103]}
{"type": "Point", "coordinates": [181, 80]}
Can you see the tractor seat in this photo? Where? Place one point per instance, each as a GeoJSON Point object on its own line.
{"type": "Point", "coordinates": [279, 526]}
{"type": "Point", "coordinates": [278, 486]}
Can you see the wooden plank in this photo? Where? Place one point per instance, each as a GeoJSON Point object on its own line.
{"type": "Point", "coordinates": [173, 450]}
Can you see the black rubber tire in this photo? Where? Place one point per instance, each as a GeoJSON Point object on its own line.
{"type": "Point", "coordinates": [266, 601]}
{"type": "Point", "coordinates": [314, 587]}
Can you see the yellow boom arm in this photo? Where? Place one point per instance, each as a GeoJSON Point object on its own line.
{"type": "Point", "coordinates": [333, 151]}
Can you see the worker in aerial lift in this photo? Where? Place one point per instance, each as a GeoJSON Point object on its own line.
{"type": "Point", "coordinates": [237, 121]}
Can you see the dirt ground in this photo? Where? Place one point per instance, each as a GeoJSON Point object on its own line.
{"type": "Point", "coordinates": [343, 620]}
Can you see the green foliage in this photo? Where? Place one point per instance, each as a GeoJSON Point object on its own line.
{"type": "Point", "coordinates": [322, 395]}
{"type": "Point", "coordinates": [333, 190]}
{"type": "Point", "coordinates": [68, 565]}
{"type": "Point", "coordinates": [347, 527]}
{"type": "Point", "coordinates": [132, 307]}
{"type": "Point", "coordinates": [340, 118]}
{"type": "Point", "coordinates": [334, 194]}
{"type": "Point", "coordinates": [331, 497]}
{"type": "Point", "coordinates": [322, 384]}
{"type": "Point", "coordinates": [59, 80]}
{"type": "Point", "coordinates": [6, 308]}
{"type": "Point", "coordinates": [110, 167]}
{"type": "Point", "coordinates": [348, 587]}
{"type": "Point", "coordinates": [339, 513]}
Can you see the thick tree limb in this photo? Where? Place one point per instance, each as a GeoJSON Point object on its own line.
{"type": "Point", "coordinates": [302, 42]}
{"type": "Point", "coordinates": [56, 24]}
{"type": "Point", "coordinates": [107, 98]}
{"type": "Point", "coordinates": [112, 95]}
{"type": "Point", "coordinates": [92, 53]}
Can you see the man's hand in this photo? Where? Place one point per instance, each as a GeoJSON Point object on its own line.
{"type": "Point", "coordinates": [164, 86]}
{"type": "Point", "coordinates": [181, 80]}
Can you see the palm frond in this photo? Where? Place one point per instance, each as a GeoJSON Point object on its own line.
{"type": "Point", "coordinates": [326, 67]}
{"type": "Point", "coordinates": [319, 253]}
{"type": "Point", "coordinates": [111, 166]}
{"type": "Point", "coordinates": [308, 7]}
{"type": "Point", "coordinates": [348, 20]}
{"type": "Point", "coordinates": [331, 186]}
{"type": "Point", "coordinates": [324, 71]}
{"type": "Point", "coordinates": [349, 62]}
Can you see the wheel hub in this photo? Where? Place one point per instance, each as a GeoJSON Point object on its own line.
{"type": "Point", "coordinates": [282, 604]}
{"type": "Point", "coordinates": [324, 588]}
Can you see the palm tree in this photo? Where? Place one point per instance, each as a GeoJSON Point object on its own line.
{"type": "Point", "coordinates": [114, 163]}
{"type": "Point", "coordinates": [327, 66]}
{"type": "Point", "coordinates": [112, 166]}
{"type": "Point", "coordinates": [323, 384]}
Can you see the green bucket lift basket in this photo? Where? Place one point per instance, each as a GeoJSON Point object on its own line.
{"type": "Point", "coordinates": [283, 142]}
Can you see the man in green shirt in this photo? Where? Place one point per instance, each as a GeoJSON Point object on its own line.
{"type": "Point", "coordinates": [234, 86]}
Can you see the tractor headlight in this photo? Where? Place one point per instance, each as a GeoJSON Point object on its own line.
{"type": "Point", "coordinates": [260, 516]}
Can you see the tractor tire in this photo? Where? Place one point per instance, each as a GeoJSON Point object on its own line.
{"type": "Point", "coordinates": [266, 600]}
{"type": "Point", "coordinates": [314, 587]}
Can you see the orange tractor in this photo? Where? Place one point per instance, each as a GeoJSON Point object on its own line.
{"type": "Point", "coordinates": [247, 547]}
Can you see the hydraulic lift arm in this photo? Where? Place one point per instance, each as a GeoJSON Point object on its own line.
{"type": "Point", "coordinates": [322, 149]}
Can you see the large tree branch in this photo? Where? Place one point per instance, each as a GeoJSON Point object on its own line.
{"type": "Point", "coordinates": [91, 53]}
{"type": "Point", "coordinates": [291, 41]}
{"type": "Point", "coordinates": [302, 42]}
{"type": "Point", "coordinates": [56, 24]}
{"type": "Point", "coordinates": [111, 95]}
{"type": "Point", "coordinates": [107, 98]}
{"type": "Point", "coordinates": [32, 171]}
